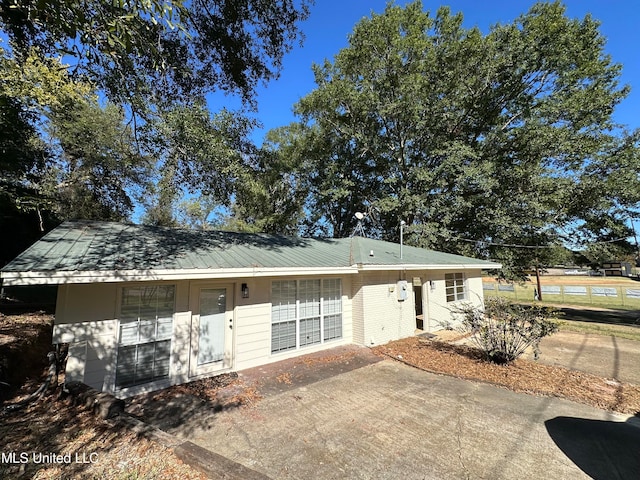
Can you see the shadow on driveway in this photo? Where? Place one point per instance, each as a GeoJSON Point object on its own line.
{"type": "Point", "coordinates": [613, 317]}
{"type": "Point", "coordinates": [602, 449]}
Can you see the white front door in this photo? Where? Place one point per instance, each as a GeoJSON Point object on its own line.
{"type": "Point", "coordinates": [211, 329]}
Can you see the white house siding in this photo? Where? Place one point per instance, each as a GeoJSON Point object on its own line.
{"type": "Point", "coordinates": [384, 317]}
{"type": "Point", "coordinates": [91, 356]}
{"type": "Point", "coordinates": [77, 303]}
{"type": "Point", "coordinates": [357, 309]}
{"type": "Point", "coordinates": [379, 317]}
{"type": "Point", "coordinates": [87, 319]}
{"type": "Point", "coordinates": [440, 313]}
{"type": "Point", "coordinates": [180, 345]}
{"type": "Point", "coordinates": [253, 324]}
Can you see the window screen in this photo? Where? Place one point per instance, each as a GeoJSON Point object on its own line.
{"type": "Point", "coordinates": [146, 328]}
{"type": "Point", "coordinates": [305, 312]}
{"type": "Point", "coordinates": [283, 315]}
{"type": "Point", "coordinates": [309, 301]}
{"type": "Point", "coordinates": [332, 308]}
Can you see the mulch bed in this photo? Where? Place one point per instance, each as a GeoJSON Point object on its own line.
{"type": "Point", "coordinates": [91, 447]}
{"type": "Point", "coordinates": [50, 425]}
{"type": "Point", "coordinates": [520, 376]}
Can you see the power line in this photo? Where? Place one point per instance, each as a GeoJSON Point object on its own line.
{"type": "Point", "coordinates": [513, 245]}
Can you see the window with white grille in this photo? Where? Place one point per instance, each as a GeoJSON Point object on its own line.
{"type": "Point", "coordinates": [305, 312]}
{"type": "Point", "coordinates": [332, 308]}
{"type": "Point", "coordinates": [146, 328]}
{"type": "Point", "coordinates": [455, 287]}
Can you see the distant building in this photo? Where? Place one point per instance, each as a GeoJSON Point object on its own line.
{"type": "Point", "coordinates": [617, 269]}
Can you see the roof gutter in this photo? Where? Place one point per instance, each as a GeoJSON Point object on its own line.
{"type": "Point", "coordinates": [66, 277]}
{"type": "Point", "coordinates": [459, 266]}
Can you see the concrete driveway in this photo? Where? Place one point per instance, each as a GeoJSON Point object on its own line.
{"type": "Point", "coordinates": [387, 420]}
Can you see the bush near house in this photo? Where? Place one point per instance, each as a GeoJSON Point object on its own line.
{"type": "Point", "coordinates": [504, 330]}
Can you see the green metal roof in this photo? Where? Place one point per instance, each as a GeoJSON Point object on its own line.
{"type": "Point", "coordinates": [387, 253]}
{"type": "Point", "coordinates": [90, 246]}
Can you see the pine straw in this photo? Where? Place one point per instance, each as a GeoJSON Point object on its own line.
{"type": "Point", "coordinates": [318, 359]}
{"type": "Point", "coordinates": [220, 392]}
{"type": "Point", "coordinates": [520, 376]}
{"type": "Point", "coordinates": [54, 426]}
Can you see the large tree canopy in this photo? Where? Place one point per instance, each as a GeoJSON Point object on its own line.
{"type": "Point", "coordinates": [475, 140]}
{"type": "Point", "coordinates": [197, 153]}
{"type": "Point", "coordinates": [64, 152]}
{"type": "Point", "coordinates": [67, 154]}
{"type": "Point", "coordinates": [64, 155]}
{"type": "Point", "coordinates": [140, 50]}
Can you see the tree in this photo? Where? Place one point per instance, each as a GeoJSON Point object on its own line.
{"type": "Point", "coordinates": [21, 155]}
{"type": "Point", "coordinates": [136, 50]}
{"type": "Point", "coordinates": [504, 330]}
{"type": "Point", "coordinates": [194, 213]}
{"type": "Point", "coordinates": [197, 154]}
{"type": "Point", "coordinates": [476, 141]}
{"type": "Point", "coordinates": [154, 61]}
{"type": "Point", "coordinates": [65, 154]}
{"type": "Point", "coordinates": [95, 168]}
{"type": "Point", "coordinates": [271, 194]}
{"type": "Point", "coordinates": [29, 91]}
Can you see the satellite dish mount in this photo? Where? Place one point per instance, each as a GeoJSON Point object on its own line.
{"type": "Point", "coordinates": [359, 228]}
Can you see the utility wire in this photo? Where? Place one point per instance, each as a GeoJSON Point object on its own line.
{"type": "Point", "coordinates": [511, 245]}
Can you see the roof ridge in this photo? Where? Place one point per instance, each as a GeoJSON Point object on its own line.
{"type": "Point", "coordinates": [351, 248]}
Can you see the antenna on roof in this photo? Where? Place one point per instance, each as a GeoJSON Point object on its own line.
{"type": "Point", "coordinates": [402, 224]}
{"type": "Point", "coordinates": [359, 228]}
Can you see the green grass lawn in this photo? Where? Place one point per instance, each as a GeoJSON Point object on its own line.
{"type": "Point", "coordinates": [622, 301]}
{"type": "Point", "coordinates": [608, 319]}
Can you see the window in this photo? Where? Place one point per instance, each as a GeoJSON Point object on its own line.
{"type": "Point", "coordinates": [305, 312]}
{"type": "Point", "coordinates": [146, 328]}
{"type": "Point", "coordinates": [283, 315]}
{"type": "Point", "coordinates": [332, 309]}
{"type": "Point", "coordinates": [309, 303]}
{"type": "Point", "coordinates": [455, 287]}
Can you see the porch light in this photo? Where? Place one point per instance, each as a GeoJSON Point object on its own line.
{"type": "Point", "coordinates": [245, 290]}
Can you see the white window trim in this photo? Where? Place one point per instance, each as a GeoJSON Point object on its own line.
{"type": "Point", "coordinates": [465, 287]}
{"type": "Point", "coordinates": [297, 319]}
{"type": "Point", "coordinates": [151, 384]}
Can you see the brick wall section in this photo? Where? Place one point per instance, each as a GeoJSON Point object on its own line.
{"type": "Point", "coordinates": [385, 317]}
{"type": "Point", "coordinates": [357, 295]}
{"type": "Point", "coordinates": [379, 317]}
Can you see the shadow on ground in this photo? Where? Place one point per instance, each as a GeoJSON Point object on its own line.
{"type": "Point", "coordinates": [601, 449]}
{"type": "Point", "coordinates": [182, 408]}
{"type": "Point", "coordinates": [171, 407]}
{"type": "Point", "coordinates": [613, 317]}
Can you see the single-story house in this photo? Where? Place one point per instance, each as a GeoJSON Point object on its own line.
{"type": "Point", "coordinates": [145, 307]}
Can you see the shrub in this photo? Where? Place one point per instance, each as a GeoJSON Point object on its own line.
{"type": "Point", "coordinates": [504, 330]}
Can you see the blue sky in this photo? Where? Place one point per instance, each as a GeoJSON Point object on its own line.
{"type": "Point", "coordinates": [331, 21]}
